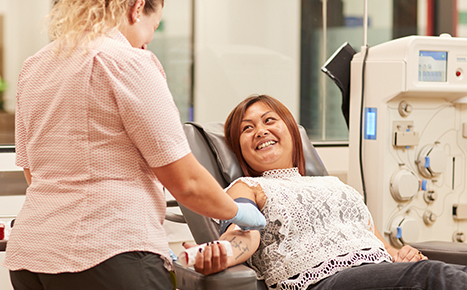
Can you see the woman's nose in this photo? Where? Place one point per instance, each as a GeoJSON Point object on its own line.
{"type": "Point", "coordinates": [261, 132]}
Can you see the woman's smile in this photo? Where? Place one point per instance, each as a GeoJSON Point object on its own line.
{"type": "Point", "coordinates": [265, 144]}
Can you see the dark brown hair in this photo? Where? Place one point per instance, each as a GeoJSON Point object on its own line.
{"type": "Point", "coordinates": [232, 131]}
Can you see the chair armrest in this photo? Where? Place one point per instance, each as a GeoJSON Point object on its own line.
{"type": "Point", "coordinates": [239, 277]}
{"type": "Point", "coordinates": [449, 252]}
{"type": "Point", "coordinates": [174, 217]}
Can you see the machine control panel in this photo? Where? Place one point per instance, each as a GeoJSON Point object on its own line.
{"type": "Point", "coordinates": [414, 171]}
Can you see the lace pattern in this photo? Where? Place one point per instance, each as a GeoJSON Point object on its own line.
{"type": "Point", "coordinates": [316, 227]}
{"type": "Point", "coordinates": [331, 267]}
{"type": "Point", "coordinates": [282, 173]}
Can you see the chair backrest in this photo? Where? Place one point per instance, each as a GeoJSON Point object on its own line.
{"type": "Point", "coordinates": [208, 145]}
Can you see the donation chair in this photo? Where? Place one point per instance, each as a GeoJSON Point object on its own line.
{"type": "Point", "coordinates": [208, 146]}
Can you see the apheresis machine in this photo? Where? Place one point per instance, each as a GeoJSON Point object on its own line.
{"type": "Point", "coordinates": [408, 137]}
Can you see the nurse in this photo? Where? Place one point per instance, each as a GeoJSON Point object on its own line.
{"type": "Point", "coordinates": [98, 136]}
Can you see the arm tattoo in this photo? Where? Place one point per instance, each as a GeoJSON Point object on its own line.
{"type": "Point", "coordinates": [243, 248]}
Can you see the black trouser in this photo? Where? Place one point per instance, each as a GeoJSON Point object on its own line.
{"type": "Point", "coordinates": [425, 274]}
{"type": "Point", "coordinates": [126, 271]}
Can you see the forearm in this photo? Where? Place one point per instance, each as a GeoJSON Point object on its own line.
{"type": "Point", "coordinates": [27, 175]}
{"type": "Point", "coordinates": [390, 249]}
{"type": "Point", "coordinates": [244, 244]}
{"type": "Point", "coordinates": [194, 187]}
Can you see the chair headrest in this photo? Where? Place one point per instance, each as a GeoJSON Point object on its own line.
{"type": "Point", "coordinates": [228, 163]}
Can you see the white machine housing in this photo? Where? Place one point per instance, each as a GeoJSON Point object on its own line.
{"type": "Point", "coordinates": [414, 137]}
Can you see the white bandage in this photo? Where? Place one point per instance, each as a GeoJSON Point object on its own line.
{"type": "Point", "coordinates": [188, 257]}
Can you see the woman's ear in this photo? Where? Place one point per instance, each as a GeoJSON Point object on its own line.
{"type": "Point", "coordinates": [136, 11]}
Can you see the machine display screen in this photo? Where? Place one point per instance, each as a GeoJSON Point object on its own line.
{"type": "Point", "coordinates": [370, 124]}
{"type": "Point", "coordinates": [432, 66]}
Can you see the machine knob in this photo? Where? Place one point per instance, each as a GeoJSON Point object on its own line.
{"type": "Point", "coordinates": [429, 218]}
{"type": "Point", "coordinates": [458, 237]}
{"type": "Point", "coordinates": [432, 161]}
{"type": "Point", "coordinates": [405, 109]}
{"type": "Point", "coordinates": [404, 185]}
{"type": "Point", "coordinates": [430, 196]}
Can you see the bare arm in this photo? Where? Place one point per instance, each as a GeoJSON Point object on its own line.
{"type": "Point", "coordinates": [244, 244]}
{"type": "Point", "coordinates": [193, 186]}
{"type": "Point", "coordinates": [391, 250]}
{"type": "Point", "coordinates": [405, 254]}
{"type": "Point", "coordinates": [27, 175]}
{"type": "Point", "coordinates": [214, 258]}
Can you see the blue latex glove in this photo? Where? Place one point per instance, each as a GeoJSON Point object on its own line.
{"type": "Point", "coordinates": [173, 256]}
{"type": "Point", "coordinates": [248, 217]}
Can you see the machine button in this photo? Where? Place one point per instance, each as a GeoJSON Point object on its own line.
{"type": "Point", "coordinates": [424, 184]}
{"type": "Point", "coordinates": [427, 161]}
{"type": "Point", "coordinates": [399, 233]}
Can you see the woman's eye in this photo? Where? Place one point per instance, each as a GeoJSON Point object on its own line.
{"type": "Point", "coordinates": [269, 119]}
{"type": "Point", "coordinates": [246, 128]}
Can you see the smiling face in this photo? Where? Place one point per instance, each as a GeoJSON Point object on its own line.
{"type": "Point", "coordinates": [265, 140]}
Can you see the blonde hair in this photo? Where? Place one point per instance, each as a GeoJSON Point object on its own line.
{"type": "Point", "coordinates": [69, 20]}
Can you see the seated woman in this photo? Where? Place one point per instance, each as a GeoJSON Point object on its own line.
{"type": "Point", "coordinates": [319, 232]}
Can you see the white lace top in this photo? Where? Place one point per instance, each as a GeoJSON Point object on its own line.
{"type": "Point", "coordinates": [317, 226]}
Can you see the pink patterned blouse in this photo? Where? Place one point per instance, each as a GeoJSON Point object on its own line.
{"type": "Point", "coordinates": [90, 126]}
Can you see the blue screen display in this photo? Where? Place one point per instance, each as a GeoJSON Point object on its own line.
{"type": "Point", "coordinates": [370, 123]}
{"type": "Point", "coordinates": [432, 66]}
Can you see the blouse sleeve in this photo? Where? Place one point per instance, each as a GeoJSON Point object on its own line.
{"type": "Point", "coordinates": [146, 106]}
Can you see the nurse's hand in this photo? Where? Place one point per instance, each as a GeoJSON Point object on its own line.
{"type": "Point", "coordinates": [409, 254]}
{"type": "Point", "coordinates": [211, 260]}
{"type": "Point", "coordinates": [248, 217]}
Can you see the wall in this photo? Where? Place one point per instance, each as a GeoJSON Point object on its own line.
{"type": "Point", "coordinates": [336, 160]}
{"type": "Point", "coordinates": [244, 47]}
{"type": "Point", "coordinates": [24, 35]}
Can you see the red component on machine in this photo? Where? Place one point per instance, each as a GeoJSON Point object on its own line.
{"type": "Point", "coordinates": [2, 231]}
